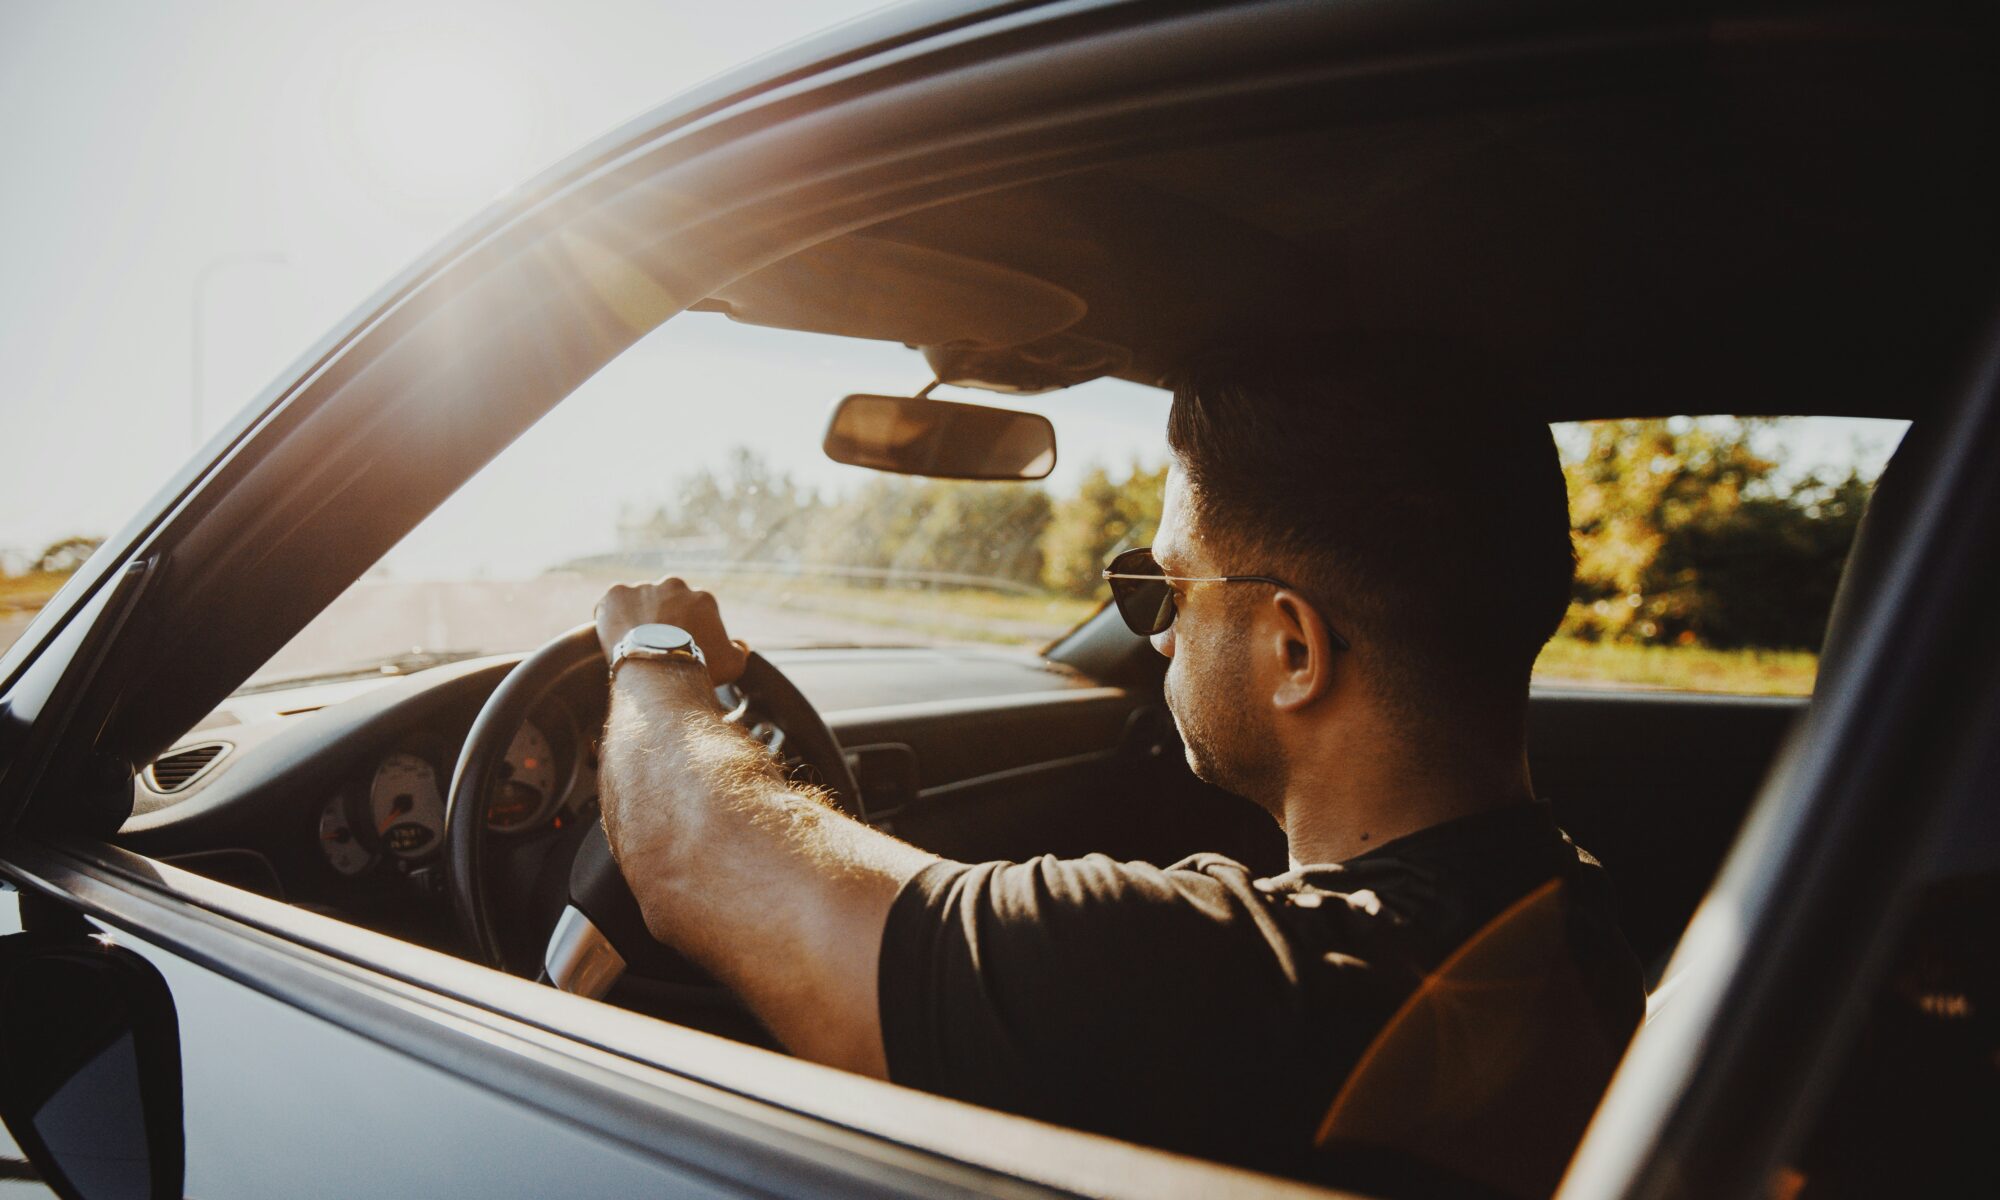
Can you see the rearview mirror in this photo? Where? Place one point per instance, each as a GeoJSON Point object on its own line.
{"type": "Point", "coordinates": [915, 435]}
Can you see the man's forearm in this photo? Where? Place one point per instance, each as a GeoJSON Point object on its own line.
{"type": "Point", "coordinates": [678, 784]}
{"type": "Point", "coordinates": [763, 883]}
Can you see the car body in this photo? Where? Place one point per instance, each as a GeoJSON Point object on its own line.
{"type": "Point", "coordinates": [1764, 209]}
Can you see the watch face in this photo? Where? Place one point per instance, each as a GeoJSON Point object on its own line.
{"type": "Point", "coordinates": [662, 637]}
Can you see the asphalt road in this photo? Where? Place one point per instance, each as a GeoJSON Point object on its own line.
{"type": "Point", "coordinates": [377, 619]}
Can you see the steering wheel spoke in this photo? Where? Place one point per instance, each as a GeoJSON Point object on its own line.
{"type": "Point", "coordinates": [580, 959]}
{"type": "Point", "coordinates": [601, 935]}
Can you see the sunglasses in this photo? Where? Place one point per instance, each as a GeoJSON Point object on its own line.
{"type": "Point", "coordinates": [1145, 594]}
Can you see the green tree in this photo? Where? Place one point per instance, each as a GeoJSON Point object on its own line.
{"type": "Point", "coordinates": [1683, 534]}
{"type": "Point", "coordinates": [1766, 573]}
{"type": "Point", "coordinates": [935, 526]}
{"type": "Point", "coordinates": [749, 510]}
{"type": "Point", "coordinates": [868, 526]}
{"type": "Point", "coordinates": [1103, 517]}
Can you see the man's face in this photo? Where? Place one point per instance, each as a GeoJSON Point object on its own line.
{"type": "Point", "coordinates": [1210, 683]}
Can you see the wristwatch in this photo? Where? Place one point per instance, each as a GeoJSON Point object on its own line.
{"type": "Point", "coordinates": [658, 643]}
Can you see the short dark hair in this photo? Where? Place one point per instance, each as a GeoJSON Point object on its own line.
{"type": "Point", "coordinates": [1403, 489]}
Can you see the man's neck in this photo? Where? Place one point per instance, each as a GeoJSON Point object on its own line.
{"type": "Point", "coordinates": [1344, 805]}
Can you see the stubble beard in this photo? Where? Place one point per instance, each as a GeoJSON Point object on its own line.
{"type": "Point", "coordinates": [1217, 720]}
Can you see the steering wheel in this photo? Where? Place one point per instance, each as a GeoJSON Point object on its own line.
{"type": "Point", "coordinates": [601, 935]}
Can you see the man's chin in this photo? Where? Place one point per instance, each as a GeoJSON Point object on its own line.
{"type": "Point", "coordinates": [1207, 770]}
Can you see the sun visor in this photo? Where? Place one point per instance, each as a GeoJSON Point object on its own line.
{"type": "Point", "coordinates": [870, 288]}
{"type": "Point", "coordinates": [1059, 361]}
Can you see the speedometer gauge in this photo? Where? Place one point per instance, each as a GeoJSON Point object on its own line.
{"type": "Point", "coordinates": [343, 850]}
{"type": "Point", "coordinates": [527, 784]}
{"type": "Point", "coordinates": [404, 803]}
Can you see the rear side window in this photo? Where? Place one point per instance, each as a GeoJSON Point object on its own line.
{"type": "Point", "coordinates": [1709, 548]}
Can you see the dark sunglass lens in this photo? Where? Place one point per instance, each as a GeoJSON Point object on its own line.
{"type": "Point", "coordinates": [1147, 605]}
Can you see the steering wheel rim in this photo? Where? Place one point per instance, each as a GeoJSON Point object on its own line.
{"type": "Point", "coordinates": [485, 748]}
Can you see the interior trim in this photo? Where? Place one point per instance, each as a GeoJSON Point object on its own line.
{"type": "Point", "coordinates": [615, 1072]}
{"type": "Point", "coordinates": [1016, 774]}
{"type": "Point", "coordinates": [969, 706]}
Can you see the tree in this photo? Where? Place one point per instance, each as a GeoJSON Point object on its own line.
{"type": "Point", "coordinates": [1683, 535]}
{"type": "Point", "coordinates": [1102, 518]}
{"type": "Point", "coordinates": [749, 511]}
{"type": "Point", "coordinates": [988, 530]}
{"type": "Point", "coordinates": [929, 527]}
{"type": "Point", "coordinates": [1766, 573]}
{"type": "Point", "coordinates": [61, 558]}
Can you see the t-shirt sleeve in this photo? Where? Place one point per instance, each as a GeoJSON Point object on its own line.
{"type": "Point", "coordinates": [1156, 1004]}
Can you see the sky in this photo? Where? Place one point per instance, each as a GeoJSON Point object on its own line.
{"type": "Point", "coordinates": [270, 166]}
{"type": "Point", "coordinates": [198, 191]}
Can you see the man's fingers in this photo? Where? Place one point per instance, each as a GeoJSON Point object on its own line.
{"type": "Point", "coordinates": [672, 601]}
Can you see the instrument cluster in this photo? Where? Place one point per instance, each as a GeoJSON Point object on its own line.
{"type": "Point", "coordinates": [393, 814]}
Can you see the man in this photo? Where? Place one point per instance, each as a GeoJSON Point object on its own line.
{"type": "Point", "coordinates": [1357, 577]}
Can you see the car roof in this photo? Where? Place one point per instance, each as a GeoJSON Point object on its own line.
{"type": "Point", "coordinates": [1791, 220]}
{"type": "Point", "coordinates": [1782, 214]}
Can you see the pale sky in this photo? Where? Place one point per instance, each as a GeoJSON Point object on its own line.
{"type": "Point", "coordinates": [147, 142]}
{"type": "Point", "coordinates": [274, 164]}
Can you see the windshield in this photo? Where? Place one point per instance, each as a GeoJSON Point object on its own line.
{"type": "Point", "coordinates": [697, 453]}
{"type": "Point", "coordinates": [1708, 548]}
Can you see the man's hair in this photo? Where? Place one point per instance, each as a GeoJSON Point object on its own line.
{"type": "Point", "coordinates": [1403, 492]}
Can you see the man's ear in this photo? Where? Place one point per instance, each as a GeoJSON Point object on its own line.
{"type": "Point", "coordinates": [1305, 652]}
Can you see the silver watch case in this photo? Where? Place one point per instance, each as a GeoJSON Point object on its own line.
{"type": "Point", "coordinates": [657, 642]}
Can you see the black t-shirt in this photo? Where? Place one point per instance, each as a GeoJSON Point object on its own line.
{"type": "Point", "coordinates": [1194, 1007]}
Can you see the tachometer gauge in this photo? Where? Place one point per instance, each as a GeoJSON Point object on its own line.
{"type": "Point", "coordinates": [404, 803]}
{"type": "Point", "coordinates": [337, 839]}
{"type": "Point", "coordinates": [527, 783]}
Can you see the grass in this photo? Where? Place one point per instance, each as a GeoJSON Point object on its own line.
{"type": "Point", "coordinates": [30, 590]}
{"type": "Point", "coordinates": [961, 614]}
{"type": "Point", "coordinates": [1009, 618]}
{"type": "Point", "coordinates": [1678, 668]}
{"type": "Point", "coordinates": [918, 611]}
{"type": "Point", "coordinates": [967, 614]}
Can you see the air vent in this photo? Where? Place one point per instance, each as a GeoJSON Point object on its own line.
{"type": "Point", "coordinates": [172, 772]}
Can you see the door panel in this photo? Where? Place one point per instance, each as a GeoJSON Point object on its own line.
{"type": "Point", "coordinates": [18, 1179]}
{"type": "Point", "coordinates": [280, 1104]}
{"type": "Point", "coordinates": [1655, 785]}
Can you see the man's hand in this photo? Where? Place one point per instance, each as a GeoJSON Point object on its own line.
{"type": "Point", "coordinates": [672, 602]}
{"type": "Point", "coordinates": [777, 894]}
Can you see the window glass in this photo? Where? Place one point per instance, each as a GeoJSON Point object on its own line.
{"type": "Point", "coordinates": [697, 453]}
{"type": "Point", "coordinates": [1708, 549]}
{"type": "Point", "coordinates": [278, 1102]}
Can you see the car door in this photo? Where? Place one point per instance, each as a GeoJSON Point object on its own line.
{"type": "Point", "coordinates": [375, 426]}
{"type": "Point", "coordinates": [1871, 845]}
{"type": "Point", "coordinates": [390, 1099]}
{"type": "Point", "coordinates": [319, 1058]}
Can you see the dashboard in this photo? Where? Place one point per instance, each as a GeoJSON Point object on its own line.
{"type": "Point", "coordinates": [334, 795]}
{"type": "Point", "coordinates": [396, 816]}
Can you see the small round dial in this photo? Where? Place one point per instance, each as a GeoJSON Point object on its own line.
{"type": "Point", "coordinates": [404, 803]}
{"type": "Point", "coordinates": [527, 782]}
{"type": "Point", "coordinates": [337, 839]}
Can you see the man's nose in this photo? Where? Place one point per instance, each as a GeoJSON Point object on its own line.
{"type": "Point", "coordinates": [1163, 641]}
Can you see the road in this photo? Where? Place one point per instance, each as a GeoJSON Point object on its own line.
{"type": "Point", "coordinates": [377, 619]}
{"type": "Point", "coordinates": [13, 623]}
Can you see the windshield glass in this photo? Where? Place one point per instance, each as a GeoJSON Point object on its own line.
{"type": "Point", "coordinates": [697, 453]}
